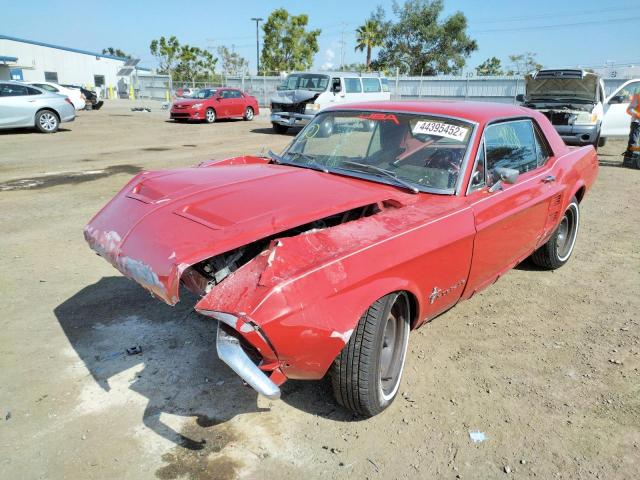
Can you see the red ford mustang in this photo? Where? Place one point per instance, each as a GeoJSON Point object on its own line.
{"type": "Point", "coordinates": [377, 218]}
{"type": "Point", "coordinates": [210, 104]}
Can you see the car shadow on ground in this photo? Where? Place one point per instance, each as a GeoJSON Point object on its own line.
{"type": "Point", "coordinates": [292, 132]}
{"type": "Point", "coordinates": [27, 131]}
{"type": "Point", "coordinates": [178, 371]}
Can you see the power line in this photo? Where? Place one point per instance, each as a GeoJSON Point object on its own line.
{"type": "Point", "coordinates": [558, 25]}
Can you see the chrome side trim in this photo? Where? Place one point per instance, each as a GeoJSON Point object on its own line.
{"type": "Point", "coordinates": [231, 353]}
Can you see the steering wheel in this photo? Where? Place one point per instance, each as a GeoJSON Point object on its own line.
{"type": "Point", "coordinates": [444, 160]}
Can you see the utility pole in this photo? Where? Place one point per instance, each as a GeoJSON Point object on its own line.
{"type": "Point", "coordinates": [257, 20]}
{"type": "Point", "coordinates": [342, 44]}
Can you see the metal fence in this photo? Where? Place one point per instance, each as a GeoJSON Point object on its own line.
{"type": "Point", "coordinates": [487, 89]}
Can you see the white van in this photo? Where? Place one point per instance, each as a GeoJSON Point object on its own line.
{"type": "Point", "coordinates": [616, 121]}
{"type": "Point", "coordinates": [302, 95]}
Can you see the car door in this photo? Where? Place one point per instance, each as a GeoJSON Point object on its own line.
{"type": "Point", "coordinates": [225, 103]}
{"type": "Point", "coordinates": [17, 106]}
{"type": "Point", "coordinates": [512, 219]}
{"type": "Point", "coordinates": [616, 121]}
{"type": "Point", "coordinates": [238, 105]}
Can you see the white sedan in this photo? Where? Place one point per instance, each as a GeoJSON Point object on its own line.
{"type": "Point", "coordinates": [74, 94]}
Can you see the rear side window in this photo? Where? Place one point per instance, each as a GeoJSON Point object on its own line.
{"type": "Point", "coordinates": [511, 145]}
{"type": "Point", "coordinates": [13, 90]}
{"type": "Point", "coordinates": [235, 94]}
{"type": "Point", "coordinates": [352, 85]}
{"type": "Point", "coordinates": [385, 84]}
{"type": "Point", "coordinates": [371, 85]}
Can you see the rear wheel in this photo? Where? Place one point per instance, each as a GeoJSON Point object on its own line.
{"type": "Point", "coordinates": [248, 114]}
{"type": "Point", "coordinates": [210, 115]}
{"type": "Point", "coordinates": [366, 375]}
{"type": "Point", "coordinates": [279, 128]}
{"type": "Point", "coordinates": [47, 121]}
{"type": "Point", "coordinates": [559, 247]}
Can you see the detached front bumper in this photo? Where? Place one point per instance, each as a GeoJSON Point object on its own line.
{"type": "Point", "coordinates": [578, 134]}
{"type": "Point", "coordinates": [290, 119]}
{"type": "Point", "coordinates": [231, 352]}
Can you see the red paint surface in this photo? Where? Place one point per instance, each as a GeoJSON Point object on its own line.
{"type": "Point", "coordinates": [224, 107]}
{"type": "Point", "coordinates": [306, 293]}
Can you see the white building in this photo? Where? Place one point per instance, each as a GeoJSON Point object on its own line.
{"type": "Point", "coordinates": [34, 61]}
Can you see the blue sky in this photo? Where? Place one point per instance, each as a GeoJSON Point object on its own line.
{"type": "Point", "coordinates": [563, 33]}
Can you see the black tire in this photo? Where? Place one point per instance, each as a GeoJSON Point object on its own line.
{"type": "Point", "coordinates": [558, 249]}
{"type": "Point", "coordinates": [602, 141]}
{"type": "Point", "coordinates": [279, 128]}
{"type": "Point", "coordinates": [47, 121]}
{"type": "Point", "coordinates": [210, 115]}
{"type": "Point", "coordinates": [366, 375]}
{"type": "Point", "coordinates": [248, 114]}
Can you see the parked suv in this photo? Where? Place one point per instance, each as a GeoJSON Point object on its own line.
{"type": "Point", "coordinates": [302, 95]}
{"type": "Point", "coordinates": [23, 105]}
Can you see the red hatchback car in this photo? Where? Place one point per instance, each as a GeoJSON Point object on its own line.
{"type": "Point", "coordinates": [210, 104]}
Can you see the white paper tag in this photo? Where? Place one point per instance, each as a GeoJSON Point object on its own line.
{"type": "Point", "coordinates": [440, 129]}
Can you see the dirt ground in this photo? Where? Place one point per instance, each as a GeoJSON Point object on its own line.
{"type": "Point", "coordinates": [545, 364]}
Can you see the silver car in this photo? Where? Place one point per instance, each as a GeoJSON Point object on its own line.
{"type": "Point", "coordinates": [24, 105]}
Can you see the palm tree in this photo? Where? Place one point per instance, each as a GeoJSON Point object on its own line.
{"type": "Point", "coordinates": [369, 36]}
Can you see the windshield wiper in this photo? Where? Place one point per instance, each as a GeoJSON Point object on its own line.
{"type": "Point", "coordinates": [313, 166]}
{"type": "Point", "coordinates": [387, 173]}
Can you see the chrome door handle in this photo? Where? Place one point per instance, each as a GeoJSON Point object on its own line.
{"type": "Point", "coordinates": [549, 179]}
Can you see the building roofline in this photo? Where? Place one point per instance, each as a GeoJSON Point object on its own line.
{"type": "Point", "coordinates": [58, 47]}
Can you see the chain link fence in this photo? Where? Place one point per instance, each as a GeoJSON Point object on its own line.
{"type": "Point", "coordinates": [486, 89]}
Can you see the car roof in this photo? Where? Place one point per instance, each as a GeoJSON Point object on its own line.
{"type": "Point", "coordinates": [480, 112]}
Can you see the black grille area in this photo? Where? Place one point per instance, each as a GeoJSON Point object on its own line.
{"type": "Point", "coordinates": [558, 118]}
{"type": "Point", "coordinates": [288, 107]}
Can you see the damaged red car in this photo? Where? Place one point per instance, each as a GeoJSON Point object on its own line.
{"type": "Point", "coordinates": [377, 218]}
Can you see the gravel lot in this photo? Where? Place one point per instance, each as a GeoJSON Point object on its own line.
{"type": "Point", "coordinates": [545, 364]}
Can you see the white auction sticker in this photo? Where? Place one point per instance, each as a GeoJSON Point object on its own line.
{"type": "Point", "coordinates": [441, 129]}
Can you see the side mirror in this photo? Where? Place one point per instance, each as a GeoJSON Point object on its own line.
{"type": "Point", "coordinates": [335, 86]}
{"type": "Point", "coordinates": [505, 175]}
{"type": "Point", "coordinates": [520, 98]}
{"type": "Point", "coordinates": [617, 99]}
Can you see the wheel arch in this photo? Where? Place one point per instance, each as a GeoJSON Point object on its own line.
{"type": "Point", "coordinates": [579, 193]}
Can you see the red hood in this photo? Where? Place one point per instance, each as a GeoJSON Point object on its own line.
{"type": "Point", "coordinates": [190, 101]}
{"type": "Point", "coordinates": [162, 222]}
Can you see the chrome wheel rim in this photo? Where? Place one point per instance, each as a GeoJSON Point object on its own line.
{"type": "Point", "coordinates": [48, 121]}
{"type": "Point", "coordinates": [567, 232]}
{"type": "Point", "coordinates": [393, 351]}
{"type": "Point", "coordinates": [211, 116]}
{"type": "Point", "coordinates": [249, 113]}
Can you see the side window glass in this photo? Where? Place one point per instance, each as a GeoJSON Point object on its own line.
{"type": "Point", "coordinates": [352, 85]}
{"type": "Point", "coordinates": [543, 151]}
{"type": "Point", "coordinates": [511, 145]}
{"type": "Point", "coordinates": [236, 94]}
{"type": "Point", "coordinates": [371, 85]}
{"type": "Point", "coordinates": [478, 175]}
{"type": "Point", "coordinates": [11, 90]}
{"type": "Point", "coordinates": [33, 91]}
{"type": "Point", "coordinates": [627, 92]}
{"type": "Point", "coordinates": [385, 84]}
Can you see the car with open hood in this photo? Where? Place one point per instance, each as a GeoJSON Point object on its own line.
{"type": "Point", "coordinates": [572, 99]}
{"type": "Point", "coordinates": [211, 104]}
{"type": "Point", "coordinates": [377, 218]}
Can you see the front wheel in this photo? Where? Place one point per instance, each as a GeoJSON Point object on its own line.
{"type": "Point", "coordinates": [248, 114]}
{"type": "Point", "coordinates": [366, 375]}
{"type": "Point", "coordinates": [210, 115]}
{"type": "Point", "coordinates": [47, 121]}
{"type": "Point", "coordinates": [559, 247]}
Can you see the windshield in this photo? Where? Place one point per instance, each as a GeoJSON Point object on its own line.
{"type": "Point", "coordinates": [205, 93]}
{"type": "Point", "coordinates": [424, 151]}
{"type": "Point", "coordinates": [305, 81]}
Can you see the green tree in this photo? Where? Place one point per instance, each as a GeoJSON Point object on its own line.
{"type": "Point", "coordinates": [369, 36]}
{"type": "Point", "coordinates": [523, 63]}
{"type": "Point", "coordinates": [116, 52]}
{"type": "Point", "coordinates": [418, 42]}
{"type": "Point", "coordinates": [166, 52]}
{"type": "Point", "coordinates": [491, 66]}
{"type": "Point", "coordinates": [287, 44]}
{"type": "Point", "coordinates": [354, 67]}
{"type": "Point", "coordinates": [194, 64]}
{"type": "Point", "coordinates": [232, 62]}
